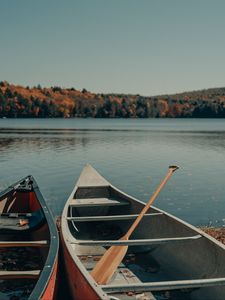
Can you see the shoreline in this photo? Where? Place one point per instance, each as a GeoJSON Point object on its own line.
{"type": "Point", "coordinates": [217, 233]}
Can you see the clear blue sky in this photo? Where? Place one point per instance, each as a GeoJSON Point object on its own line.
{"type": "Point", "coordinates": [147, 47]}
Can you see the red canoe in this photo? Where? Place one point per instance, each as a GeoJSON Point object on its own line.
{"type": "Point", "coordinates": [28, 244]}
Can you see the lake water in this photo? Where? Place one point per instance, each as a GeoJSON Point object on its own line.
{"type": "Point", "coordinates": [132, 154]}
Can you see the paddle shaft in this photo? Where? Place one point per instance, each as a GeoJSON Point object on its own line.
{"type": "Point", "coordinates": [151, 200]}
{"type": "Point", "coordinates": [107, 265]}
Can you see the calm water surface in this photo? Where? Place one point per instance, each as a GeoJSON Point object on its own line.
{"type": "Point", "coordinates": [132, 154]}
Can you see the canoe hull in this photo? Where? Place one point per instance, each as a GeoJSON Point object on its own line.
{"type": "Point", "coordinates": [80, 288]}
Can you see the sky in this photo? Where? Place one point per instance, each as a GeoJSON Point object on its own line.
{"type": "Point", "coordinates": [147, 47]}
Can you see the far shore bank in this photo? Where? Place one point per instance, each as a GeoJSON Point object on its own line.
{"type": "Point", "coordinates": [36, 102]}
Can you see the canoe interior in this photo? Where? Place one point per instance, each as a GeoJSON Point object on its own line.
{"type": "Point", "coordinates": [24, 241]}
{"type": "Point", "coordinates": [192, 256]}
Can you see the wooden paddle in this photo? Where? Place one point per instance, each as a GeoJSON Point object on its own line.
{"type": "Point", "coordinates": [107, 265]}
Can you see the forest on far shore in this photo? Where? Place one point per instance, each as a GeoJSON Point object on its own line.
{"type": "Point", "coordinates": [40, 102]}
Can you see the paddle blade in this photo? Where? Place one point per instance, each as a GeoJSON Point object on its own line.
{"type": "Point", "coordinates": [107, 265]}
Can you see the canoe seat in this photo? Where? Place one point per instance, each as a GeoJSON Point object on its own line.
{"type": "Point", "coordinates": [21, 222]}
{"type": "Point", "coordinates": [8, 244]}
{"type": "Point", "coordinates": [91, 202]}
{"type": "Point", "coordinates": [19, 274]}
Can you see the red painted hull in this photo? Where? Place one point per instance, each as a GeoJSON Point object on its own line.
{"type": "Point", "coordinates": [51, 290]}
{"type": "Point", "coordinates": [79, 286]}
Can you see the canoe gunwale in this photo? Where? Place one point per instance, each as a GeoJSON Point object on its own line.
{"type": "Point", "coordinates": [52, 257]}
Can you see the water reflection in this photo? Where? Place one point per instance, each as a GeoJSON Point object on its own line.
{"type": "Point", "coordinates": [133, 159]}
{"type": "Point", "coordinates": [68, 139]}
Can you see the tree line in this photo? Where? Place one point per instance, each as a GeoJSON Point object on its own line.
{"type": "Point", "coordinates": [38, 102]}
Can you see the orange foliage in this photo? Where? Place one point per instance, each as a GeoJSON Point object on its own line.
{"type": "Point", "coordinates": [19, 101]}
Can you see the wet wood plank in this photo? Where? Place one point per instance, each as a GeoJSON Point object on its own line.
{"type": "Point", "coordinates": [7, 244]}
{"type": "Point", "coordinates": [19, 274]}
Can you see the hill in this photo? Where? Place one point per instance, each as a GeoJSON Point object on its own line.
{"type": "Point", "coordinates": [23, 102]}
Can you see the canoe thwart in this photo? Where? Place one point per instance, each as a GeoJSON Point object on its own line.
{"type": "Point", "coordinates": [164, 285]}
{"type": "Point", "coordinates": [110, 218]}
{"type": "Point", "coordinates": [136, 242]}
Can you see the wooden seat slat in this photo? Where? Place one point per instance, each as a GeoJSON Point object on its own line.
{"type": "Point", "coordinates": [19, 274]}
{"type": "Point", "coordinates": [8, 244]}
